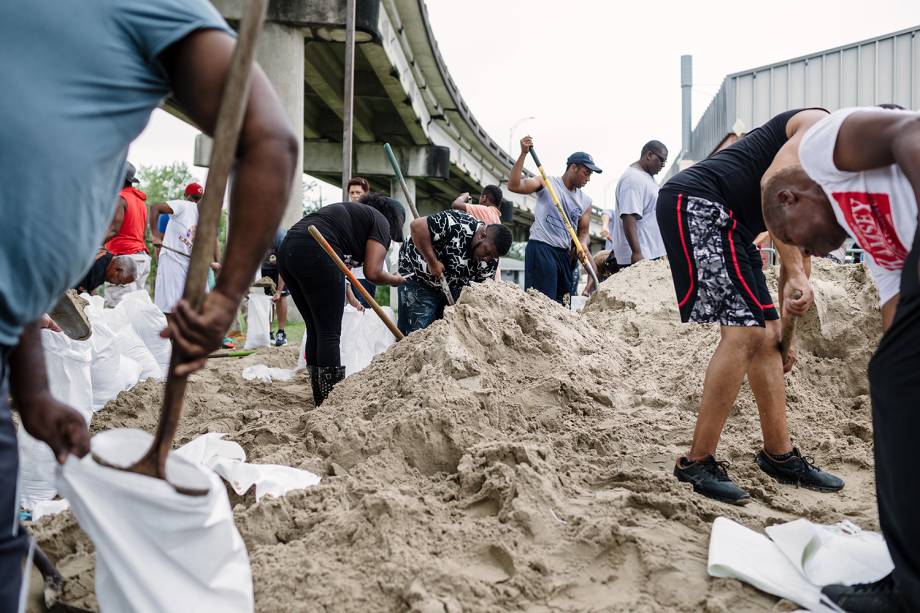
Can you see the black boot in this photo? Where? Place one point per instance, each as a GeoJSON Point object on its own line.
{"type": "Point", "coordinates": [326, 378]}
{"type": "Point", "coordinates": [314, 382]}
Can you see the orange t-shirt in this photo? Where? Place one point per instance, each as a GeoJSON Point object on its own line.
{"type": "Point", "coordinates": [488, 214]}
{"type": "Point", "coordinates": [130, 237]}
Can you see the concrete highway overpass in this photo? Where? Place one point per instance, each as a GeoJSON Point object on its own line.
{"type": "Point", "coordinates": [404, 95]}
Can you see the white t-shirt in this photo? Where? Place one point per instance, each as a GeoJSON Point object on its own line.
{"type": "Point", "coordinates": [876, 207]}
{"type": "Point", "coordinates": [172, 267]}
{"type": "Point", "coordinates": [637, 194]}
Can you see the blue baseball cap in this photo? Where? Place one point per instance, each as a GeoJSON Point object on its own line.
{"type": "Point", "coordinates": [585, 159]}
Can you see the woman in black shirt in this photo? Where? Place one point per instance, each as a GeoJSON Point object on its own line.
{"type": "Point", "coordinates": [359, 235]}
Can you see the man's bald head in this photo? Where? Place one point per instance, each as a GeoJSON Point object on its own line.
{"type": "Point", "coordinates": [797, 212]}
{"type": "Point", "coordinates": [121, 270]}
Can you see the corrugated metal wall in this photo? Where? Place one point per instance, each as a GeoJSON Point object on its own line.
{"type": "Point", "coordinates": [883, 69]}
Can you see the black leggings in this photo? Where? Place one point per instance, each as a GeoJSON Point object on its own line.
{"type": "Point", "coordinates": [318, 289]}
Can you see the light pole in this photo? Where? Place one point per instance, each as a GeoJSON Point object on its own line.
{"type": "Point", "coordinates": [511, 132]}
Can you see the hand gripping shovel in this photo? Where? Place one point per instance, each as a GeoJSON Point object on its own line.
{"type": "Point", "coordinates": [788, 330]}
{"type": "Point", "coordinates": [226, 135]}
{"type": "Point", "coordinates": [582, 256]}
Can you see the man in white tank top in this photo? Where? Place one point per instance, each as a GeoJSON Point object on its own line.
{"type": "Point", "coordinates": [859, 175]}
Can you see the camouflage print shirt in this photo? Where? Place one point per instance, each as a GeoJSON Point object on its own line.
{"type": "Point", "coordinates": [452, 238]}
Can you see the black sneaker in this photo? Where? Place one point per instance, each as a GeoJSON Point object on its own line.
{"type": "Point", "coordinates": [798, 470]}
{"type": "Point", "coordinates": [710, 479]}
{"type": "Point", "coordinates": [280, 339]}
{"type": "Point", "coordinates": [883, 596]}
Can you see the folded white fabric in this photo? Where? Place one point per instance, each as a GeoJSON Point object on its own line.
{"type": "Point", "coordinates": [839, 553]}
{"type": "Point", "coordinates": [228, 460]}
{"type": "Point", "coordinates": [800, 558]}
{"type": "Point", "coordinates": [265, 374]}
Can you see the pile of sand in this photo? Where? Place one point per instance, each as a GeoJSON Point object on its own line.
{"type": "Point", "coordinates": [516, 455]}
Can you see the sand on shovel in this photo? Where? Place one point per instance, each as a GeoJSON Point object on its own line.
{"type": "Point", "coordinates": [517, 456]}
{"type": "Point", "coordinates": [69, 314]}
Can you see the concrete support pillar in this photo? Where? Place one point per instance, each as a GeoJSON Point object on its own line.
{"type": "Point", "coordinates": [397, 193]}
{"type": "Point", "coordinates": [280, 53]}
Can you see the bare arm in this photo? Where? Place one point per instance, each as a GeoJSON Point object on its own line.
{"type": "Point", "coordinates": [153, 217]}
{"type": "Point", "coordinates": [888, 310]}
{"type": "Point", "coordinates": [460, 203]}
{"type": "Point", "coordinates": [117, 220]}
{"type": "Point", "coordinates": [869, 139]}
{"type": "Point", "coordinates": [631, 230]}
{"type": "Point", "coordinates": [584, 226]}
{"type": "Point", "coordinates": [794, 272]}
{"type": "Point", "coordinates": [374, 256]}
{"type": "Point", "coordinates": [421, 237]}
{"type": "Point", "coordinates": [605, 225]}
{"type": "Point", "coordinates": [48, 420]}
{"type": "Point", "coordinates": [198, 66]}
{"type": "Point", "coordinates": [516, 181]}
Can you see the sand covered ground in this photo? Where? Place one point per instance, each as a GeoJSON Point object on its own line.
{"type": "Point", "coordinates": [517, 456]}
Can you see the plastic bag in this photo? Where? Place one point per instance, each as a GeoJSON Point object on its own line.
{"type": "Point", "coordinates": [67, 363]}
{"type": "Point", "coordinates": [130, 345]}
{"type": "Point", "coordinates": [364, 335]}
{"type": "Point", "coordinates": [157, 550]}
{"type": "Point", "coordinates": [148, 321]}
{"type": "Point", "coordinates": [258, 320]}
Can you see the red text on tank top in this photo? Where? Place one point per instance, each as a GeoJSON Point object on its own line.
{"type": "Point", "coordinates": [869, 217]}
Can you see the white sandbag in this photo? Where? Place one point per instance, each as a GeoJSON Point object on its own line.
{"type": "Point", "coordinates": [157, 550]}
{"type": "Point", "coordinates": [302, 356]}
{"type": "Point", "coordinates": [148, 321]}
{"type": "Point", "coordinates": [364, 335]}
{"type": "Point", "coordinates": [265, 374]}
{"type": "Point", "coordinates": [67, 363]}
{"type": "Point", "coordinates": [105, 369]}
{"type": "Point", "coordinates": [736, 552]}
{"type": "Point", "coordinates": [47, 508]}
{"type": "Point", "coordinates": [129, 344]}
{"type": "Point", "coordinates": [228, 460]}
{"type": "Point", "coordinates": [839, 553]}
{"type": "Point", "coordinates": [258, 320]}
{"type": "Point", "coordinates": [130, 371]}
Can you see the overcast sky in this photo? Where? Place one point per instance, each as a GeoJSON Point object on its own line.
{"type": "Point", "coordinates": [602, 76]}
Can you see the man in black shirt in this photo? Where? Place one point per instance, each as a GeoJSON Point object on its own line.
{"type": "Point", "coordinates": [114, 269]}
{"type": "Point", "coordinates": [453, 245]}
{"type": "Point", "coordinates": [709, 215]}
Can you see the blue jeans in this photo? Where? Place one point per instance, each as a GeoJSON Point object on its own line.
{"type": "Point", "coordinates": [13, 541]}
{"type": "Point", "coordinates": [371, 289]}
{"type": "Point", "coordinates": [419, 305]}
{"type": "Point", "coordinates": [548, 270]}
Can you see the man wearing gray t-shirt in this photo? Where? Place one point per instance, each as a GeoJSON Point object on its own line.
{"type": "Point", "coordinates": [548, 263]}
{"type": "Point", "coordinates": [636, 236]}
{"type": "Point", "coordinates": [82, 81]}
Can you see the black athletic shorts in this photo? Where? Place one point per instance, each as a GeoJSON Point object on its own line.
{"type": "Point", "coordinates": [272, 273]}
{"type": "Point", "coordinates": [717, 270]}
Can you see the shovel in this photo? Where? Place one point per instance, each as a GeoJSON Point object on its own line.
{"type": "Point", "coordinates": [226, 135]}
{"type": "Point", "coordinates": [582, 256]}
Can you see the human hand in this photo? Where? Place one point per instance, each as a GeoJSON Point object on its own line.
{"type": "Point", "coordinates": [636, 257]}
{"type": "Point", "coordinates": [215, 266]}
{"type": "Point", "coordinates": [397, 280]}
{"type": "Point", "coordinates": [195, 335]}
{"type": "Point", "coordinates": [276, 296]}
{"type": "Point", "coordinates": [58, 425]}
{"type": "Point", "coordinates": [798, 296]}
{"type": "Point", "coordinates": [47, 323]}
{"type": "Point", "coordinates": [436, 269]}
{"type": "Point", "coordinates": [354, 303]}
{"type": "Point", "coordinates": [526, 144]}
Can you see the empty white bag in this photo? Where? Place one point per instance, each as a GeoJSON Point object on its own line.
{"type": "Point", "coordinates": [148, 321]}
{"type": "Point", "coordinates": [157, 550]}
{"type": "Point", "coordinates": [258, 319]}
{"type": "Point", "coordinates": [364, 335]}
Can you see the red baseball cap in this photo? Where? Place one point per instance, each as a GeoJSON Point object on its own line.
{"type": "Point", "coordinates": [194, 189]}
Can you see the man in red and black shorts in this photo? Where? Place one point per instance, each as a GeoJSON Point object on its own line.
{"type": "Point", "coordinates": [709, 215]}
